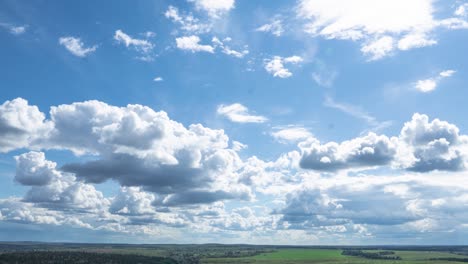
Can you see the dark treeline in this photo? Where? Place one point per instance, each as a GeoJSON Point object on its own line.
{"type": "Point", "coordinates": [451, 259]}
{"type": "Point", "coordinates": [59, 257]}
{"type": "Point", "coordinates": [388, 255]}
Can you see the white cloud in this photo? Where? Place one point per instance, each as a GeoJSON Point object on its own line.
{"type": "Point", "coordinates": [462, 10]}
{"type": "Point", "coordinates": [21, 125]}
{"type": "Point", "coordinates": [226, 49]}
{"type": "Point", "coordinates": [15, 30]}
{"type": "Point", "coordinates": [368, 151]}
{"type": "Point", "coordinates": [214, 8]}
{"type": "Point", "coordinates": [275, 66]}
{"type": "Point", "coordinates": [187, 23]}
{"type": "Point", "coordinates": [275, 28]}
{"type": "Point", "coordinates": [429, 85]}
{"type": "Point", "coordinates": [158, 79]}
{"type": "Point", "coordinates": [422, 146]}
{"type": "Point", "coordinates": [291, 134]}
{"type": "Point", "coordinates": [426, 86]}
{"type": "Point", "coordinates": [143, 46]}
{"type": "Point", "coordinates": [381, 27]}
{"type": "Point", "coordinates": [377, 49]}
{"type": "Point", "coordinates": [192, 43]}
{"type": "Point", "coordinates": [239, 114]}
{"type": "Point", "coordinates": [76, 46]}
{"type": "Point", "coordinates": [415, 40]}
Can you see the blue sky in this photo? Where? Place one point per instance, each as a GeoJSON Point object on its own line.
{"type": "Point", "coordinates": [267, 122]}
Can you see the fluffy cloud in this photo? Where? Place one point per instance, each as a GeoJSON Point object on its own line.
{"type": "Point", "coordinates": [435, 145]}
{"type": "Point", "coordinates": [429, 85]}
{"type": "Point", "coordinates": [275, 66]}
{"type": "Point", "coordinates": [20, 125]}
{"type": "Point", "coordinates": [422, 146]}
{"type": "Point", "coordinates": [180, 177]}
{"type": "Point", "coordinates": [402, 202]}
{"type": "Point", "coordinates": [380, 27]}
{"type": "Point", "coordinates": [133, 145]}
{"type": "Point", "coordinates": [33, 169]}
{"type": "Point", "coordinates": [76, 46]}
{"type": "Point", "coordinates": [367, 151]}
{"type": "Point", "coordinates": [239, 114]}
{"type": "Point", "coordinates": [192, 43]}
{"type": "Point", "coordinates": [143, 46]}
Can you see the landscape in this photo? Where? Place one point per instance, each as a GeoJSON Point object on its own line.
{"type": "Point", "coordinates": [29, 252]}
{"type": "Point", "coordinates": [233, 131]}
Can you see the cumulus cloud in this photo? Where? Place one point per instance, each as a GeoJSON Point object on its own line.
{"type": "Point", "coordinates": [238, 113]}
{"type": "Point", "coordinates": [192, 43]}
{"type": "Point", "coordinates": [173, 176]}
{"type": "Point", "coordinates": [143, 46]}
{"type": "Point", "coordinates": [429, 85]}
{"type": "Point", "coordinates": [435, 145]}
{"type": "Point", "coordinates": [33, 169]}
{"type": "Point", "coordinates": [275, 28]}
{"type": "Point", "coordinates": [134, 145]}
{"type": "Point", "coordinates": [381, 27]}
{"type": "Point", "coordinates": [21, 125]}
{"type": "Point", "coordinates": [367, 151]}
{"type": "Point", "coordinates": [422, 146]}
{"type": "Point", "coordinates": [76, 46]}
{"type": "Point", "coordinates": [275, 66]}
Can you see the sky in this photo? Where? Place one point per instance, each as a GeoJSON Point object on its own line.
{"type": "Point", "coordinates": [308, 122]}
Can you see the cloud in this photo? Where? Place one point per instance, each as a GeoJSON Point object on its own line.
{"type": "Point", "coordinates": [368, 151]}
{"type": "Point", "coordinates": [187, 23]}
{"type": "Point", "coordinates": [462, 10]}
{"type": "Point", "coordinates": [275, 66]}
{"type": "Point", "coordinates": [381, 27]}
{"type": "Point", "coordinates": [429, 85]}
{"type": "Point", "coordinates": [357, 112]}
{"type": "Point", "coordinates": [226, 49]}
{"type": "Point", "coordinates": [142, 46]}
{"type": "Point", "coordinates": [76, 46]}
{"type": "Point", "coordinates": [422, 146]}
{"type": "Point", "coordinates": [158, 79]}
{"type": "Point", "coordinates": [435, 145]}
{"type": "Point", "coordinates": [33, 169]}
{"type": "Point", "coordinates": [134, 145]}
{"type": "Point", "coordinates": [275, 28]}
{"type": "Point", "coordinates": [379, 48]}
{"type": "Point", "coordinates": [21, 125]}
{"type": "Point", "coordinates": [132, 201]}
{"type": "Point", "coordinates": [192, 43]}
{"type": "Point", "coordinates": [13, 29]}
{"type": "Point", "coordinates": [291, 134]}
{"type": "Point", "coordinates": [214, 8]}
{"type": "Point", "coordinates": [175, 178]}
{"type": "Point", "coordinates": [239, 114]}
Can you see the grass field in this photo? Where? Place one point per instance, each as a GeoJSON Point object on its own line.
{"type": "Point", "coordinates": [332, 256]}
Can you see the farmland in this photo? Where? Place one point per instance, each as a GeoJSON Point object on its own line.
{"type": "Point", "coordinates": [26, 252]}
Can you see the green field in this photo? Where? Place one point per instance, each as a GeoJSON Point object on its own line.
{"type": "Point", "coordinates": [331, 256]}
